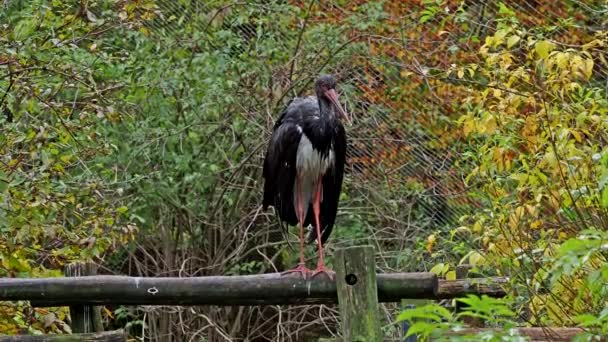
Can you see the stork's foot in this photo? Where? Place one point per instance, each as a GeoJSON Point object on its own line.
{"type": "Point", "coordinates": [323, 269]}
{"type": "Point", "coordinates": [301, 268]}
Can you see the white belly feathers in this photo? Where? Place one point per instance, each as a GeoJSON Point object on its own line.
{"type": "Point", "coordinates": [310, 165]}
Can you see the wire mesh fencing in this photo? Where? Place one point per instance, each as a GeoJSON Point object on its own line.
{"type": "Point", "coordinates": [404, 174]}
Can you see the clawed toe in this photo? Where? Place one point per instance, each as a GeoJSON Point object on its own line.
{"type": "Point", "coordinates": [322, 269]}
{"type": "Point", "coordinates": [301, 268]}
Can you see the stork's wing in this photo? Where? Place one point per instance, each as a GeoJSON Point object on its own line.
{"type": "Point", "coordinates": [280, 169]}
{"type": "Point", "coordinates": [332, 186]}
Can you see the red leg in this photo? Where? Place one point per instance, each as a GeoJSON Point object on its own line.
{"type": "Point", "coordinates": [301, 268]}
{"type": "Point", "coordinates": [316, 207]}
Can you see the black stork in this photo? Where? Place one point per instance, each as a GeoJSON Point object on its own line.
{"type": "Point", "coordinates": [304, 166]}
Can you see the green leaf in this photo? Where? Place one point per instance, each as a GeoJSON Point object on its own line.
{"type": "Point", "coordinates": [586, 320]}
{"type": "Point", "coordinates": [605, 197]}
{"type": "Point", "coordinates": [439, 269]}
{"type": "Point", "coordinates": [504, 10]}
{"type": "Point", "coordinates": [431, 311]}
{"type": "Point", "coordinates": [421, 328]}
{"type": "Point", "coordinates": [3, 182]}
{"type": "Point", "coordinates": [24, 29]}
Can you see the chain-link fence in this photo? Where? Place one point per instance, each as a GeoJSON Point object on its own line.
{"type": "Point", "coordinates": [404, 178]}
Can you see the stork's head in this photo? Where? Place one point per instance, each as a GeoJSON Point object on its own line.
{"type": "Point", "coordinates": [326, 89]}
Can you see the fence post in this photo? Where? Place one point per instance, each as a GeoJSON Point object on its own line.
{"type": "Point", "coordinates": [85, 318]}
{"type": "Point", "coordinates": [358, 294]}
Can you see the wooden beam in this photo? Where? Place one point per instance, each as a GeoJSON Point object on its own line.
{"type": "Point", "coordinates": [358, 294]}
{"type": "Point", "coordinates": [263, 289]}
{"type": "Point", "coordinates": [493, 287]}
{"type": "Point", "coordinates": [108, 336]}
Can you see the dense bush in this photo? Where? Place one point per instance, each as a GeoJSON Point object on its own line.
{"type": "Point", "coordinates": [132, 136]}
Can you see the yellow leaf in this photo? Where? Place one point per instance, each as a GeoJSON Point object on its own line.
{"type": "Point", "coordinates": [489, 41]}
{"type": "Point", "coordinates": [515, 217]}
{"type": "Point", "coordinates": [536, 224]}
{"type": "Point", "coordinates": [520, 211]}
{"type": "Point", "coordinates": [577, 64]}
{"type": "Point", "coordinates": [512, 41]}
{"type": "Point", "coordinates": [543, 48]}
{"type": "Point", "coordinates": [405, 73]}
{"type": "Point", "coordinates": [588, 67]}
{"type": "Point", "coordinates": [65, 158]}
{"type": "Point", "coordinates": [108, 312]}
{"type": "Point", "coordinates": [477, 228]}
{"type": "Point", "coordinates": [451, 275]}
{"type": "Point", "coordinates": [500, 35]}
{"type": "Point", "coordinates": [573, 86]}
{"type": "Point", "coordinates": [430, 242]}
{"type": "Point", "coordinates": [468, 126]}
{"type": "Point", "coordinates": [561, 59]}
{"type": "Point", "coordinates": [498, 157]}
{"type": "Point", "coordinates": [532, 210]}
{"type": "Point", "coordinates": [496, 92]}
{"type": "Point", "coordinates": [491, 247]}
{"type": "Point", "coordinates": [490, 124]}
{"type": "Point", "coordinates": [460, 73]}
{"type": "Point", "coordinates": [462, 230]}
{"type": "Point", "coordinates": [59, 168]}
{"type": "Point", "coordinates": [576, 135]}
{"type": "Point", "coordinates": [592, 44]}
{"type": "Point", "coordinates": [476, 259]}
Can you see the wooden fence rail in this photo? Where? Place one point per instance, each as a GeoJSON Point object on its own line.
{"type": "Point", "coordinates": [263, 289]}
{"type": "Point", "coordinates": [353, 289]}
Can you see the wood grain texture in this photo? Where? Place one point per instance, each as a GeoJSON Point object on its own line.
{"type": "Point", "coordinates": [263, 289]}
{"type": "Point", "coordinates": [358, 294]}
{"type": "Point", "coordinates": [493, 287]}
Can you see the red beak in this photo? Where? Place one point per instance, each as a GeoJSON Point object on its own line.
{"type": "Point", "coordinates": [333, 97]}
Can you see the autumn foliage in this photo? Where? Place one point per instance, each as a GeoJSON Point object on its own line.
{"type": "Point", "coordinates": [132, 131]}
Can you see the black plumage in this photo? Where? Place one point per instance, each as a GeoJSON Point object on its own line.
{"type": "Point", "coordinates": [307, 146]}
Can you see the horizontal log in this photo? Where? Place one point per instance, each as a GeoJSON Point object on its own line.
{"type": "Point", "coordinates": [108, 336]}
{"type": "Point", "coordinates": [263, 289]}
{"type": "Point", "coordinates": [493, 287]}
{"type": "Point", "coordinates": [536, 334]}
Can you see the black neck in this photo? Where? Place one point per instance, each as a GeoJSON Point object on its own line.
{"type": "Point", "coordinates": [325, 107]}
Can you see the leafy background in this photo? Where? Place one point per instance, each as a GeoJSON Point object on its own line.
{"type": "Point", "coordinates": [133, 135]}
